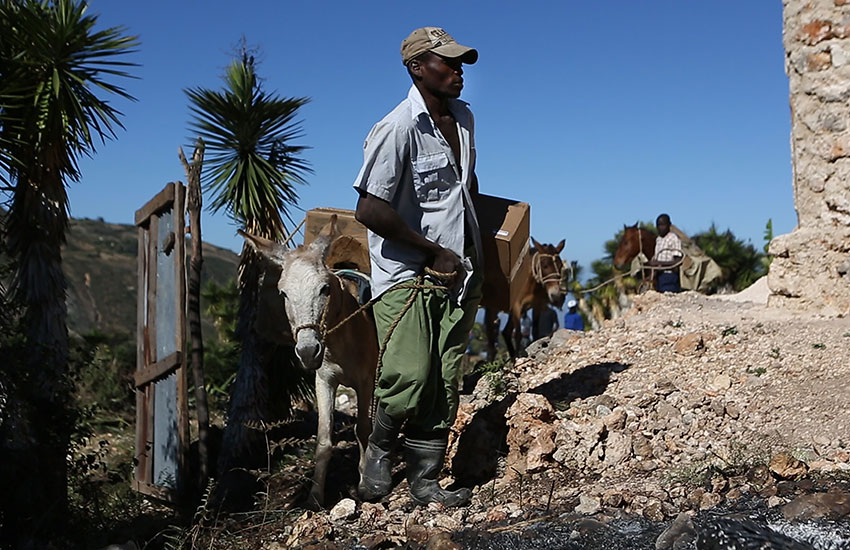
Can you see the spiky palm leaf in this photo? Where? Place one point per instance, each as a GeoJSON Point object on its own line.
{"type": "Point", "coordinates": [54, 66]}
{"type": "Point", "coordinates": [252, 165]}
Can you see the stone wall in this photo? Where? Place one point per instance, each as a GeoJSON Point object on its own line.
{"type": "Point", "coordinates": [810, 268]}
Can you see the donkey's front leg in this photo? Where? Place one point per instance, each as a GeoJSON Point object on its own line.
{"type": "Point", "coordinates": [491, 327]}
{"type": "Point", "coordinates": [325, 395]}
{"type": "Point", "coordinates": [512, 335]}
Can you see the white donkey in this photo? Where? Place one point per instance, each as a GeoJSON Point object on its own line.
{"type": "Point", "coordinates": [316, 300]}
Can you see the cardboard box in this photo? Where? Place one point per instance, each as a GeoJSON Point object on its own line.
{"type": "Point", "coordinates": [348, 251]}
{"type": "Point", "coordinates": [318, 218]}
{"type": "Point", "coordinates": [505, 234]}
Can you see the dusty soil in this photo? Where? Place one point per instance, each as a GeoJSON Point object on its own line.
{"type": "Point", "coordinates": [687, 403]}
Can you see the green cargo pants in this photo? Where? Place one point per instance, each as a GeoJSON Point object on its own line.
{"type": "Point", "coordinates": [421, 366]}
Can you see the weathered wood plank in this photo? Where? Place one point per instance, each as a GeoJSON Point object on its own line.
{"type": "Point", "coordinates": [162, 200]}
{"type": "Point", "coordinates": [141, 455]}
{"type": "Point", "coordinates": [141, 297]}
{"type": "Point", "coordinates": [150, 339]}
{"type": "Point", "coordinates": [155, 491]}
{"type": "Point", "coordinates": [159, 369]}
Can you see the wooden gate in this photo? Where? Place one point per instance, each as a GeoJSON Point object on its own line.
{"type": "Point", "coordinates": [162, 421]}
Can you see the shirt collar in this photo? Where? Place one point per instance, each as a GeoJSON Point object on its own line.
{"type": "Point", "coordinates": [418, 107]}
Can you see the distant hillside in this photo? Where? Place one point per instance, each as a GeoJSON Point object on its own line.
{"type": "Point", "coordinates": [99, 261]}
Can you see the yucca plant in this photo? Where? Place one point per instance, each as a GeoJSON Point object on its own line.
{"type": "Point", "coordinates": [251, 170]}
{"type": "Point", "coordinates": [57, 73]}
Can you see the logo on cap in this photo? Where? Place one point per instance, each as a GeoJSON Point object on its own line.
{"type": "Point", "coordinates": [437, 36]}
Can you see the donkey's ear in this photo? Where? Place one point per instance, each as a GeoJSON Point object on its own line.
{"type": "Point", "coordinates": [266, 247]}
{"type": "Point", "coordinates": [536, 244]}
{"type": "Point", "coordinates": [321, 244]}
{"type": "Point", "coordinates": [331, 229]}
{"type": "Point", "coordinates": [326, 236]}
{"type": "Point", "coordinates": [560, 246]}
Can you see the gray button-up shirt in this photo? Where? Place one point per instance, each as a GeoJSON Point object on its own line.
{"type": "Point", "coordinates": [408, 163]}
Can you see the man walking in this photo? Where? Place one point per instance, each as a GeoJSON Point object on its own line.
{"type": "Point", "coordinates": [416, 188]}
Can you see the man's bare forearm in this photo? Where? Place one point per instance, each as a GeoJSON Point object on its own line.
{"type": "Point", "coordinates": [378, 216]}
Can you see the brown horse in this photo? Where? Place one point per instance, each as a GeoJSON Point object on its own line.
{"type": "Point", "coordinates": [541, 288]}
{"type": "Point", "coordinates": [316, 301]}
{"type": "Point", "coordinates": [635, 240]}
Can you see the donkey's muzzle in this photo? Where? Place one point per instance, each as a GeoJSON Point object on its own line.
{"type": "Point", "coordinates": [556, 298]}
{"type": "Point", "coordinates": [309, 352]}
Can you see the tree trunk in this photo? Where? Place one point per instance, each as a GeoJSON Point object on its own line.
{"type": "Point", "coordinates": [35, 468]}
{"type": "Point", "coordinates": [193, 303]}
{"type": "Point", "coordinates": [249, 401]}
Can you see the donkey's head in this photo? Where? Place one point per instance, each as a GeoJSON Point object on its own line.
{"type": "Point", "coordinates": [305, 286]}
{"type": "Point", "coordinates": [547, 267]}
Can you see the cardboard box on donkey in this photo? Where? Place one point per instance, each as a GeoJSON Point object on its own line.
{"type": "Point", "coordinates": [505, 233]}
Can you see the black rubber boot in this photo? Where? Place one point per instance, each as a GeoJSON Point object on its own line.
{"type": "Point", "coordinates": [376, 480]}
{"type": "Point", "coordinates": [424, 458]}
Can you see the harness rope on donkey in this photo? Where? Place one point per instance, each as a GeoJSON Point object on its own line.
{"type": "Point", "coordinates": [418, 286]}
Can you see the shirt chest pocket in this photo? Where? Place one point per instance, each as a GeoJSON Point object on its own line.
{"type": "Point", "coordinates": [432, 177]}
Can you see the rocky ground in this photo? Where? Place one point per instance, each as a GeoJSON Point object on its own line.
{"type": "Point", "coordinates": [689, 407]}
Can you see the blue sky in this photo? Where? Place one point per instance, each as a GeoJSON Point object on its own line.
{"type": "Point", "coordinates": [595, 113]}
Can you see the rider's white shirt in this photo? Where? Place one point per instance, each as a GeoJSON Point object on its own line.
{"type": "Point", "coordinates": [668, 247]}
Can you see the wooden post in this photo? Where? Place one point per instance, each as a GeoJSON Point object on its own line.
{"type": "Point", "coordinates": [193, 302]}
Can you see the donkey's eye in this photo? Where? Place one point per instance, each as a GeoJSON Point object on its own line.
{"type": "Point", "coordinates": [325, 290]}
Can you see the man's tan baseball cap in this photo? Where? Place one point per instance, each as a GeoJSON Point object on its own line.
{"type": "Point", "coordinates": [435, 39]}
